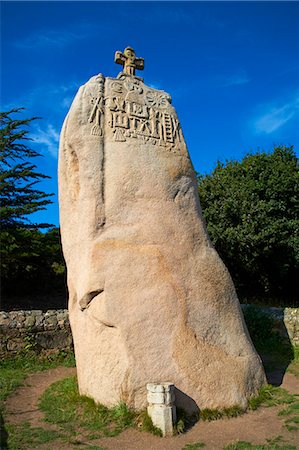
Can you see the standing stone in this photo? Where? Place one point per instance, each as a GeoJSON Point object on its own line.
{"type": "Point", "coordinates": [149, 297]}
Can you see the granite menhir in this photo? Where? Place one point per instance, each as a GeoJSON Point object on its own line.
{"type": "Point", "coordinates": [149, 298]}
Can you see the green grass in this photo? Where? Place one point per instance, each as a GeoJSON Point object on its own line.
{"type": "Point", "coordinates": [63, 406]}
{"type": "Point", "coordinates": [276, 443]}
{"type": "Point", "coordinates": [268, 396]}
{"type": "Point", "coordinates": [24, 436]}
{"type": "Point", "coordinates": [194, 446]}
{"type": "Point", "coordinates": [13, 371]}
{"type": "Point", "coordinates": [243, 445]}
{"type": "Point", "coordinates": [294, 366]}
{"type": "Point", "coordinates": [271, 396]}
{"type": "Point", "coordinates": [208, 414]}
{"type": "Point", "coordinates": [144, 423]}
{"type": "Point", "coordinates": [291, 415]}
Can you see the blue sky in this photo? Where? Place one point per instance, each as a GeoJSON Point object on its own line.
{"type": "Point", "coordinates": [232, 69]}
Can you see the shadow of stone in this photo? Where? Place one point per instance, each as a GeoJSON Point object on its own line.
{"type": "Point", "coordinates": [187, 409]}
{"type": "Point", "coordinates": [271, 340]}
{"type": "Point", "coordinates": [3, 434]}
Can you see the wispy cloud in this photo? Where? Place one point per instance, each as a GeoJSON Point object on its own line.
{"type": "Point", "coordinates": [45, 97]}
{"type": "Point", "coordinates": [66, 102]}
{"type": "Point", "coordinates": [56, 38]}
{"type": "Point", "coordinates": [240, 77]}
{"type": "Point", "coordinates": [48, 137]}
{"type": "Point", "coordinates": [275, 116]}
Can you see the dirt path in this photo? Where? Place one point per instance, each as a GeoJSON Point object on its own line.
{"type": "Point", "coordinates": [254, 427]}
{"type": "Point", "coordinates": [22, 405]}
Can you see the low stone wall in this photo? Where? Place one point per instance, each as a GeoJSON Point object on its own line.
{"type": "Point", "coordinates": [20, 330]}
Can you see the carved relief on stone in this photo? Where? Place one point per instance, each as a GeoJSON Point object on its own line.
{"type": "Point", "coordinates": [129, 60]}
{"type": "Point", "coordinates": [94, 105]}
{"type": "Point", "coordinates": [132, 84]}
{"type": "Point", "coordinates": [135, 111]}
{"type": "Point", "coordinates": [160, 100]}
{"type": "Point", "coordinates": [96, 116]}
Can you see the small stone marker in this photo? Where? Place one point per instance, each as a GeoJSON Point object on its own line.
{"type": "Point", "coordinates": [161, 408]}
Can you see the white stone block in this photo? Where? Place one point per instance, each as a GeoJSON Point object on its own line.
{"type": "Point", "coordinates": [161, 407]}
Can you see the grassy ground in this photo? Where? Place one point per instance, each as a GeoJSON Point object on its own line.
{"type": "Point", "coordinates": [14, 370]}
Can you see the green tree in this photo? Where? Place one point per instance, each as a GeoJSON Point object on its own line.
{"type": "Point", "coordinates": [251, 210]}
{"type": "Point", "coordinates": [18, 176]}
{"type": "Point", "coordinates": [30, 260]}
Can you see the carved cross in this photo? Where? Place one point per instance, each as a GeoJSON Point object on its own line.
{"type": "Point", "coordinates": [129, 61]}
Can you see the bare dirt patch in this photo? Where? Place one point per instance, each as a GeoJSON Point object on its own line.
{"type": "Point", "coordinates": [254, 427]}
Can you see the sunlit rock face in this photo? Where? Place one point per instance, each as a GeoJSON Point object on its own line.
{"type": "Point", "coordinates": [149, 298]}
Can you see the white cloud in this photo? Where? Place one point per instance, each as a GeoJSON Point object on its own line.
{"type": "Point", "coordinates": [56, 38]}
{"type": "Point", "coordinates": [276, 116]}
{"type": "Point", "coordinates": [48, 137]}
{"type": "Point", "coordinates": [240, 77]}
{"type": "Point", "coordinates": [45, 96]}
{"type": "Point", "coordinates": [66, 102]}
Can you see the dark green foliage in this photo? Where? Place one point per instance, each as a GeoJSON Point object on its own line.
{"type": "Point", "coordinates": [266, 340]}
{"type": "Point", "coordinates": [31, 261]}
{"type": "Point", "coordinates": [18, 176]}
{"type": "Point", "coordinates": [259, 324]}
{"type": "Point", "coordinates": [251, 210]}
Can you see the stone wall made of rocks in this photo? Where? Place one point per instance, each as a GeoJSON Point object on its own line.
{"type": "Point", "coordinates": [21, 330]}
{"type": "Point", "coordinates": [35, 329]}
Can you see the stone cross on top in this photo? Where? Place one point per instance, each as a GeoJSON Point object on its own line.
{"type": "Point", "coordinates": [129, 60]}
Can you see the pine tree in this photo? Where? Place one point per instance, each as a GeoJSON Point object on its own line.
{"type": "Point", "coordinates": [18, 175]}
{"type": "Point", "coordinates": [24, 250]}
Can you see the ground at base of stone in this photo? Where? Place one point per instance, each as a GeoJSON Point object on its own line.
{"type": "Point", "coordinates": [254, 427]}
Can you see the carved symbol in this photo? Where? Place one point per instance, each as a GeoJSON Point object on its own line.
{"type": "Point", "coordinates": [96, 115]}
{"type": "Point", "coordinates": [119, 135]}
{"type": "Point", "coordinates": [111, 103]}
{"type": "Point", "coordinates": [144, 129]}
{"type": "Point", "coordinates": [117, 87]}
{"type": "Point", "coordinates": [133, 85]}
{"type": "Point", "coordinates": [163, 101]}
{"type": "Point", "coordinates": [129, 61]}
{"type": "Point", "coordinates": [167, 128]}
{"type": "Point", "coordinates": [151, 98]}
{"type": "Point", "coordinates": [135, 109]}
{"type": "Point", "coordinates": [120, 120]}
{"type": "Point", "coordinates": [120, 103]}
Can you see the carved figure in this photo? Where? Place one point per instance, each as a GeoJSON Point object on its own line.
{"type": "Point", "coordinates": [129, 60]}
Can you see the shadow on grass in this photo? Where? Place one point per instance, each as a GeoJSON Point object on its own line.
{"type": "Point", "coordinates": [271, 340]}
